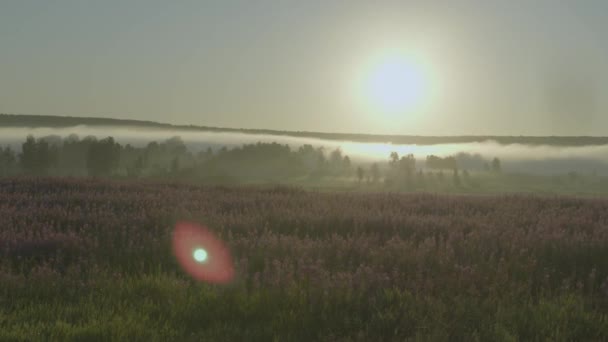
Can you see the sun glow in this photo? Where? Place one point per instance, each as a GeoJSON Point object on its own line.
{"type": "Point", "coordinates": [394, 83]}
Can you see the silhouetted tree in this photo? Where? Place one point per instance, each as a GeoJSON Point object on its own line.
{"type": "Point", "coordinates": [37, 156]}
{"type": "Point", "coordinates": [420, 177]}
{"type": "Point", "coordinates": [7, 160]}
{"type": "Point", "coordinates": [335, 158]}
{"type": "Point", "coordinates": [360, 174]}
{"type": "Point", "coordinates": [174, 146]}
{"type": "Point", "coordinates": [407, 165]}
{"type": "Point", "coordinates": [308, 157]}
{"type": "Point", "coordinates": [346, 165]}
{"type": "Point", "coordinates": [175, 165]}
{"type": "Point", "coordinates": [393, 159]}
{"type": "Point", "coordinates": [321, 161]}
{"type": "Point", "coordinates": [103, 157]}
{"type": "Point", "coordinates": [450, 163]}
{"type": "Point", "coordinates": [204, 155]}
{"type": "Point", "coordinates": [447, 163]}
{"type": "Point", "coordinates": [338, 163]}
{"type": "Point", "coordinates": [29, 155]}
{"type": "Point", "coordinates": [138, 166]}
{"type": "Point", "coordinates": [496, 167]}
{"type": "Point", "coordinates": [456, 177]}
{"type": "Point", "coordinates": [375, 172]}
{"type": "Point", "coordinates": [470, 161]}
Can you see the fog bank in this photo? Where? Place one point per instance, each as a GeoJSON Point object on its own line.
{"type": "Point", "coordinates": [515, 157]}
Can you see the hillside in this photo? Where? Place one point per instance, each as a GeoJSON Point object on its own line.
{"type": "Point", "coordinates": [18, 120]}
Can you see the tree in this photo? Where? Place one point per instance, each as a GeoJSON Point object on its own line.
{"type": "Point", "coordinates": [138, 166]}
{"type": "Point", "coordinates": [394, 159]}
{"type": "Point", "coordinates": [321, 161]}
{"type": "Point", "coordinates": [420, 177]}
{"type": "Point", "coordinates": [175, 146]}
{"type": "Point", "coordinates": [456, 178]}
{"type": "Point", "coordinates": [346, 165]}
{"type": "Point", "coordinates": [37, 156]}
{"type": "Point", "coordinates": [338, 163]}
{"type": "Point", "coordinates": [360, 174]}
{"type": "Point", "coordinates": [470, 161]}
{"type": "Point", "coordinates": [496, 167]}
{"type": "Point", "coordinates": [434, 162]}
{"type": "Point", "coordinates": [103, 157]}
{"type": "Point", "coordinates": [204, 155]}
{"type": "Point", "coordinates": [335, 158]}
{"type": "Point", "coordinates": [175, 164]}
{"type": "Point", "coordinates": [7, 160]}
{"type": "Point", "coordinates": [308, 157]}
{"type": "Point", "coordinates": [375, 173]}
{"type": "Point", "coordinates": [450, 163]}
{"type": "Point", "coordinates": [29, 155]}
{"type": "Point", "coordinates": [407, 164]}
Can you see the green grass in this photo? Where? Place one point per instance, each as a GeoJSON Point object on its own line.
{"type": "Point", "coordinates": [162, 307]}
{"type": "Point", "coordinates": [478, 183]}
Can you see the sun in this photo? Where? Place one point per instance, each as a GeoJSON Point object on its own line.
{"type": "Point", "coordinates": [394, 83]}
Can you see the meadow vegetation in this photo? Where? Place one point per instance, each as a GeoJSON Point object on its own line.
{"type": "Point", "coordinates": [88, 259]}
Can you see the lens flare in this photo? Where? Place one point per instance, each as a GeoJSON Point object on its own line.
{"type": "Point", "coordinates": [201, 254]}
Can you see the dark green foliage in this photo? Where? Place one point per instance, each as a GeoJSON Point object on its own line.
{"type": "Point", "coordinates": [102, 157]}
{"type": "Point", "coordinates": [470, 161]}
{"type": "Point", "coordinates": [401, 170]}
{"type": "Point", "coordinates": [272, 163]}
{"type": "Point", "coordinates": [360, 174]}
{"type": "Point", "coordinates": [37, 156]}
{"type": "Point", "coordinates": [8, 161]}
{"type": "Point", "coordinates": [438, 163]}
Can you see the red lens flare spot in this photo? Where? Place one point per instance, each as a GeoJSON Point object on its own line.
{"type": "Point", "coordinates": [201, 254]}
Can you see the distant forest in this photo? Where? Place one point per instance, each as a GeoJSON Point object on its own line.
{"type": "Point", "coordinates": [13, 120]}
{"type": "Point", "coordinates": [249, 163]}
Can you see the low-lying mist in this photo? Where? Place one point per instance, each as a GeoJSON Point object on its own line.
{"type": "Point", "coordinates": [514, 157]}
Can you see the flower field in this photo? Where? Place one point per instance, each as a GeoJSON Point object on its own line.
{"type": "Point", "coordinates": [86, 259]}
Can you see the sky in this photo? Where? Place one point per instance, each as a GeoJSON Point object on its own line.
{"type": "Point", "coordinates": [480, 67]}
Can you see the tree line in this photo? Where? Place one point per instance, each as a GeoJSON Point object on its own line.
{"type": "Point", "coordinates": [403, 171]}
{"type": "Point", "coordinates": [89, 156]}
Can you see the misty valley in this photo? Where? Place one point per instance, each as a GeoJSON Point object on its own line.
{"type": "Point", "coordinates": [327, 237]}
{"type": "Point", "coordinates": [314, 171]}
{"type": "Point", "coordinates": [240, 158]}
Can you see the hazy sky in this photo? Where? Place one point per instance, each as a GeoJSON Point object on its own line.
{"type": "Point", "coordinates": [490, 67]}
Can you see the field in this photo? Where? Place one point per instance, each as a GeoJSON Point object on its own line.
{"type": "Point", "coordinates": [90, 260]}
